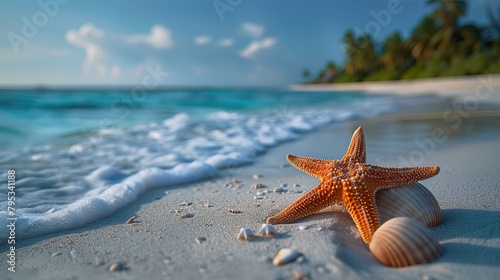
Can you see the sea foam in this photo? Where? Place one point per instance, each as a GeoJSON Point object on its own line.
{"type": "Point", "coordinates": [66, 188]}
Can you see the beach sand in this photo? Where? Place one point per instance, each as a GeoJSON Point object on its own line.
{"type": "Point", "coordinates": [450, 86]}
{"type": "Point", "coordinates": [161, 244]}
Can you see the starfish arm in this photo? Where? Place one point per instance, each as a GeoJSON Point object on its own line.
{"type": "Point", "coordinates": [362, 208]}
{"type": "Point", "coordinates": [357, 148]}
{"type": "Point", "coordinates": [395, 177]}
{"type": "Point", "coordinates": [312, 166]}
{"type": "Point", "coordinates": [310, 203]}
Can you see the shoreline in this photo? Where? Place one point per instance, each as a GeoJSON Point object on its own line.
{"type": "Point", "coordinates": [450, 86]}
{"type": "Point", "coordinates": [161, 244]}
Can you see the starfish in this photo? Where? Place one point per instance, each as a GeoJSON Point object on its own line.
{"type": "Point", "coordinates": [351, 182]}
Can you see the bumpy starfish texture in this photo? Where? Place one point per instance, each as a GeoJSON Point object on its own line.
{"type": "Point", "coordinates": [350, 182]}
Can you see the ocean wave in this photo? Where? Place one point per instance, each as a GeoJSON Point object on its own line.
{"type": "Point", "coordinates": [61, 188]}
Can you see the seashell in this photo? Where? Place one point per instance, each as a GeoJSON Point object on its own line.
{"type": "Point", "coordinates": [200, 239]}
{"type": "Point", "coordinates": [234, 211]}
{"type": "Point", "coordinates": [131, 220]}
{"type": "Point", "coordinates": [414, 201]}
{"type": "Point", "coordinates": [245, 234]}
{"type": "Point", "coordinates": [257, 176]}
{"type": "Point", "coordinates": [285, 255]}
{"type": "Point", "coordinates": [303, 227]}
{"type": "Point", "coordinates": [267, 230]}
{"type": "Point", "coordinates": [117, 266]}
{"type": "Point", "coordinates": [257, 186]}
{"type": "Point", "coordinates": [404, 241]}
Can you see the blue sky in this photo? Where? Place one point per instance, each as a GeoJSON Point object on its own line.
{"type": "Point", "coordinates": [212, 42]}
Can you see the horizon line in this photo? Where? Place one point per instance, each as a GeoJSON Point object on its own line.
{"type": "Point", "coordinates": [109, 87]}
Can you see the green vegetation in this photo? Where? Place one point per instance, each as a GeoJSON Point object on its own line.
{"type": "Point", "coordinates": [437, 47]}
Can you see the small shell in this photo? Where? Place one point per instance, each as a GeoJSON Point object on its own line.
{"type": "Point", "coordinates": [200, 239]}
{"type": "Point", "coordinates": [245, 234]}
{"type": "Point", "coordinates": [131, 220]}
{"type": "Point", "coordinates": [285, 255]}
{"type": "Point", "coordinates": [233, 211]}
{"type": "Point", "coordinates": [117, 266]}
{"type": "Point", "coordinates": [267, 230]}
{"type": "Point", "coordinates": [404, 241]}
{"type": "Point", "coordinates": [257, 186]}
{"type": "Point", "coordinates": [414, 201]}
{"type": "Point", "coordinates": [257, 176]}
{"type": "Point", "coordinates": [303, 227]}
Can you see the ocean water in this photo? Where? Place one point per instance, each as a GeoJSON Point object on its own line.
{"type": "Point", "coordinates": [82, 155]}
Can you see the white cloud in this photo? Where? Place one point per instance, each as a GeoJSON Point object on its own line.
{"type": "Point", "coordinates": [253, 29]}
{"type": "Point", "coordinates": [202, 40]}
{"type": "Point", "coordinates": [257, 45]}
{"type": "Point", "coordinates": [89, 37]}
{"type": "Point", "coordinates": [85, 38]}
{"type": "Point", "coordinates": [226, 42]}
{"type": "Point", "coordinates": [159, 38]}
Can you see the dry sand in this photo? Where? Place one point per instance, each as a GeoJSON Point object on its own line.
{"type": "Point", "coordinates": [160, 244]}
{"type": "Point", "coordinates": [451, 86]}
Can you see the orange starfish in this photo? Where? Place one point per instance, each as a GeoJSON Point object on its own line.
{"type": "Point", "coordinates": [350, 182]}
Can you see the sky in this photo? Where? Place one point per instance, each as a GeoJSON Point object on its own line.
{"type": "Point", "coordinates": [191, 43]}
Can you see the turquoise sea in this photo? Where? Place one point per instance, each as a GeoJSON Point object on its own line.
{"type": "Point", "coordinates": [80, 155]}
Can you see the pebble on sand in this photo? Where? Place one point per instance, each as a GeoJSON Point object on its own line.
{"type": "Point", "coordinates": [187, 215]}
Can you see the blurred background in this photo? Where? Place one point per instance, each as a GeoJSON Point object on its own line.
{"type": "Point", "coordinates": [244, 43]}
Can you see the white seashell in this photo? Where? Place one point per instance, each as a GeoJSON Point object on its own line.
{"type": "Point", "coordinates": [267, 230]}
{"type": "Point", "coordinates": [285, 255]}
{"type": "Point", "coordinates": [303, 227]}
{"type": "Point", "coordinates": [257, 176]}
{"type": "Point", "coordinates": [414, 201]}
{"type": "Point", "coordinates": [257, 186]}
{"type": "Point", "coordinates": [404, 241]}
{"type": "Point", "coordinates": [245, 234]}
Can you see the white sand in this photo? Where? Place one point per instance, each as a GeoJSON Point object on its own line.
{"type": "Point", "coordinates": [452, 86]}
{"type": "Point", "coordinates": [161, 245]}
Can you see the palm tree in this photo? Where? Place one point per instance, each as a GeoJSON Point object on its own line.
{"type": "Point", "coordinates": [350, 43]}
{"type": "Point", "coordinates": [329, 73]}
{"type": "Point", "coordinates": [420, 39]}
{"type": "Point", "coordinates": [492, 34]}
{"type": "Point", "coordinates": [306, 74]}
{"type": "Point", "coordinates": [366, 60]}
{"type": "Point", "coordinates": [446, 39]}
{"type": "Point", "coordinates": [448, 12]}
{"type": "Point", "coordinates": [470, 42]}
{"type": "Point", "coordinates": [360, 51]}
{"type": "Point", "coordinates": [395, 52]}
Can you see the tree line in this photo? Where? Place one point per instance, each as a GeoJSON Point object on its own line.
{"type": "Point", "coordinates": [438, 46]}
